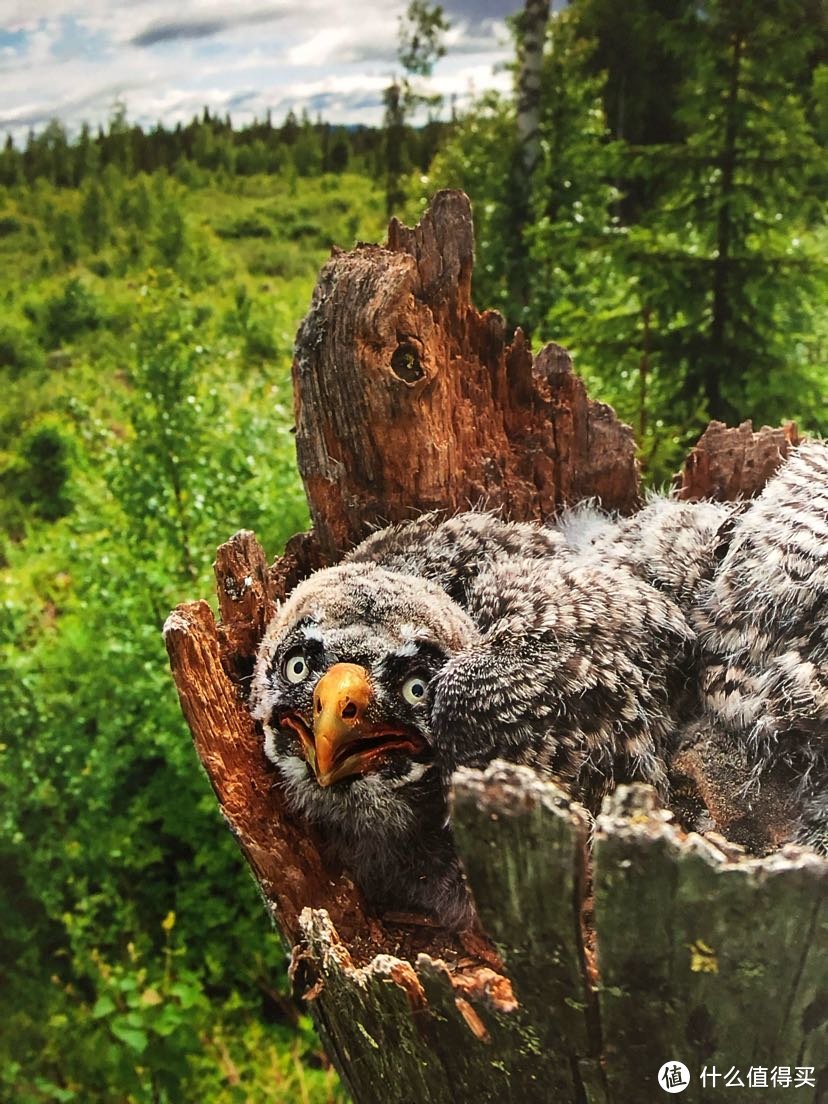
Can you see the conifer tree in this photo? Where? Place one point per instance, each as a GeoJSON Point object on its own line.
{"type": "Point", "coordinates": [11, 165]}
{"type": "Point", "coordinates": [736, 281]}
{"type": "Point", "coordinates": [85, 156]}
{"type": "Point", "coordinates": [633, 48]}
{"type": "Point", "coordinates": [94, 218]}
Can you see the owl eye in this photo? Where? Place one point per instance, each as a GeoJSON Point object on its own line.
{"type": "Point", "coordinates": [296, 667]}
{"type": "Point", "coordinates": [414, 689]}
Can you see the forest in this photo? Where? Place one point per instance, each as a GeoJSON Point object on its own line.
{"type": "Point", "coordinates": [663, 219]}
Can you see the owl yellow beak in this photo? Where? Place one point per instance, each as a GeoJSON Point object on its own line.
{"type": "Point", "coordinates": [345, 741]}
{"type": "Point", "coordinates": [340, 702]}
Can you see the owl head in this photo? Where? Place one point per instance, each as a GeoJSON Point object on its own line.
{"type": "Point", "coordinates": [341, 688]}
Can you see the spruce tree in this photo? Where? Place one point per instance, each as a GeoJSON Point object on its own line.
{"type": "Point", "coordinates": [95, 218]}
{"type": "Point", "coordinates": [11, 165]}
{"type": "Point", "coordinates": [729, 248]}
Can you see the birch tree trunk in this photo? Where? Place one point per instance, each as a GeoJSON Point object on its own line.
{"type": "Point", "coordinates": [603, 955]}
{"type": "Point", "coordinates": [533, 22]}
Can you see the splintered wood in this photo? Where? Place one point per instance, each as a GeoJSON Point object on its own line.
{"type": "Point", "coordinates": [408, 399]}
{"type": "Point", "coordinates": [609, 950]}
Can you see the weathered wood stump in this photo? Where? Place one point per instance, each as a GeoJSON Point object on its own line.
{"type": "Point", "coordinates": [604, 958]}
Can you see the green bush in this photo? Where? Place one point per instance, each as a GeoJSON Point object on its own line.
{"type": "Point", "coordinates": [260, 342]}
{"type": "Point", "coordinates": [19, 353]}
{"type": "Point", "coordinates": [247, 227]}
{"type": "Point", "coordinates": [171, 236]}
{"type": "Point", "coordinates": [46, 453]}
{"type": "Point", "coordinates": [9, 224]}
{"type": "Point", "coordinates": [63, 317]}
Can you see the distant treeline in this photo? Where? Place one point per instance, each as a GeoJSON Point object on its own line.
{"type": "Point", "coordinates": [213, 143]}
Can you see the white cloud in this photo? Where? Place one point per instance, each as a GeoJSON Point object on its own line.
{"type": "Point", "coordinates": [71, 59]}
{"type": "Point", "coordinates": [348, 44]}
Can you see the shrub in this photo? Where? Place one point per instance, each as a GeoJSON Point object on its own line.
{"type": "Point", "coordinates": [9, 225]}
{"type": "Point", "coordinates": [19, 353]}
{"type": "Point", "coordinates": [259, 340]}
{"type": "Point", "coordinates": [247, 227]}
{"type": "Point", "coordinates": [75, 310]}
{"type": "Point", "coordinates": [46, 452]}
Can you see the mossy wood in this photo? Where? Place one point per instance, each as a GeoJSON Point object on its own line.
{"type": "Point", "coordinates": [600, 961]}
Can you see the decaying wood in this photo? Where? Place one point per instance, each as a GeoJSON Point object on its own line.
{"type": "Point", "coordinates": [711, 771]}
{"type": "Point", "coordinates": [708, 959]}
{"type": "Point", "coordinates": [603, 963]}
{"type": "Point", "coordinates": [727, 464]}
{"type": "Point", "coordinates": [409, 399]}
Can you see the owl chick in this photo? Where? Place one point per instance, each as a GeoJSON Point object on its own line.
{"type": "Point", "coordinates": [437, 644]}
{"type": "Point", "coordinates": [762, 622]}
{"type": "Point", "coordinates": [752, 579]}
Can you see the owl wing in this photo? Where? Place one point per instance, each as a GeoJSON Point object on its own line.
{"type": "Point", "coordinates": [577, 673]}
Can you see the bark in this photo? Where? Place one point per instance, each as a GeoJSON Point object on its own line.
{"type": "Point", "coordinates": [601, 962]}
{"type": "Point", "coordinates": [533, 21]}
{"type": "Point", "coordinates": [727, 464]}
{"type": "Point", "coordinates": [409, 399]}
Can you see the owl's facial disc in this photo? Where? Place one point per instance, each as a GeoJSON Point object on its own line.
{"type": "Point", "coordinates": [345, 740]}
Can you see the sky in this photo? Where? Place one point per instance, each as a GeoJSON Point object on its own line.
{"type": "Point", "coordinates": [75, 59]}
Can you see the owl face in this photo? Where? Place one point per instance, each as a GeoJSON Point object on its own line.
{"type": "Point", "coordinates": [342, 690]}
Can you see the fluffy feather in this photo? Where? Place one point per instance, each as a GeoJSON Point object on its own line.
{"type": "Point", "coordinates": [530, 654]}
{"type": "Point", "coordinates": [579, 649]}
{"type": "Point", "coordinates": [763, 625]}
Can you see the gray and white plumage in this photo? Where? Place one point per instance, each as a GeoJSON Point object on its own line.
{"type": "Point", "coordinates": [762, 623]}
{"type": "Point", "coordinates": [527, 654]}
{"type": "Point", "coordinates": [386, 825]}
{"type": "Point", "coordinates": [578, 649]}
{"type": "Point", "coordinates": [675, 546]}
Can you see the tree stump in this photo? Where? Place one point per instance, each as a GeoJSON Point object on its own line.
{"type": "Point", "coordinates": [603, 959]}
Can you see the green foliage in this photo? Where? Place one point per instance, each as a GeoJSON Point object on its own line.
{"type": "Point", "coordinates": [246, 227]}
{"type": "Point", "coordinates": [94, 218]}
{"type": "Point", "coordinates": [44, 473]}
{"type": "Point", "coordinates": [422, 31]}
{"type": "Point", "coordinates": [720, 282]}
{"type": "Point", "coordinates": [137, 962]}
{"type": "Point", "coordinates": [730, 227]}
{"type": "Point", "coordinates": [68, 241]}
{"type": "Point", "coordinates": [633, 50]}
{"type": "Point", "coordinates": [63, 317]}
{"type": "Point", "coordinates": [170, 239]}
{"type": "Point", "coordinates": [701, 291]}
{"type": "Point", "coordinates": [19, 352]}
{"type": "Point", "coordinates": [9, 225]}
